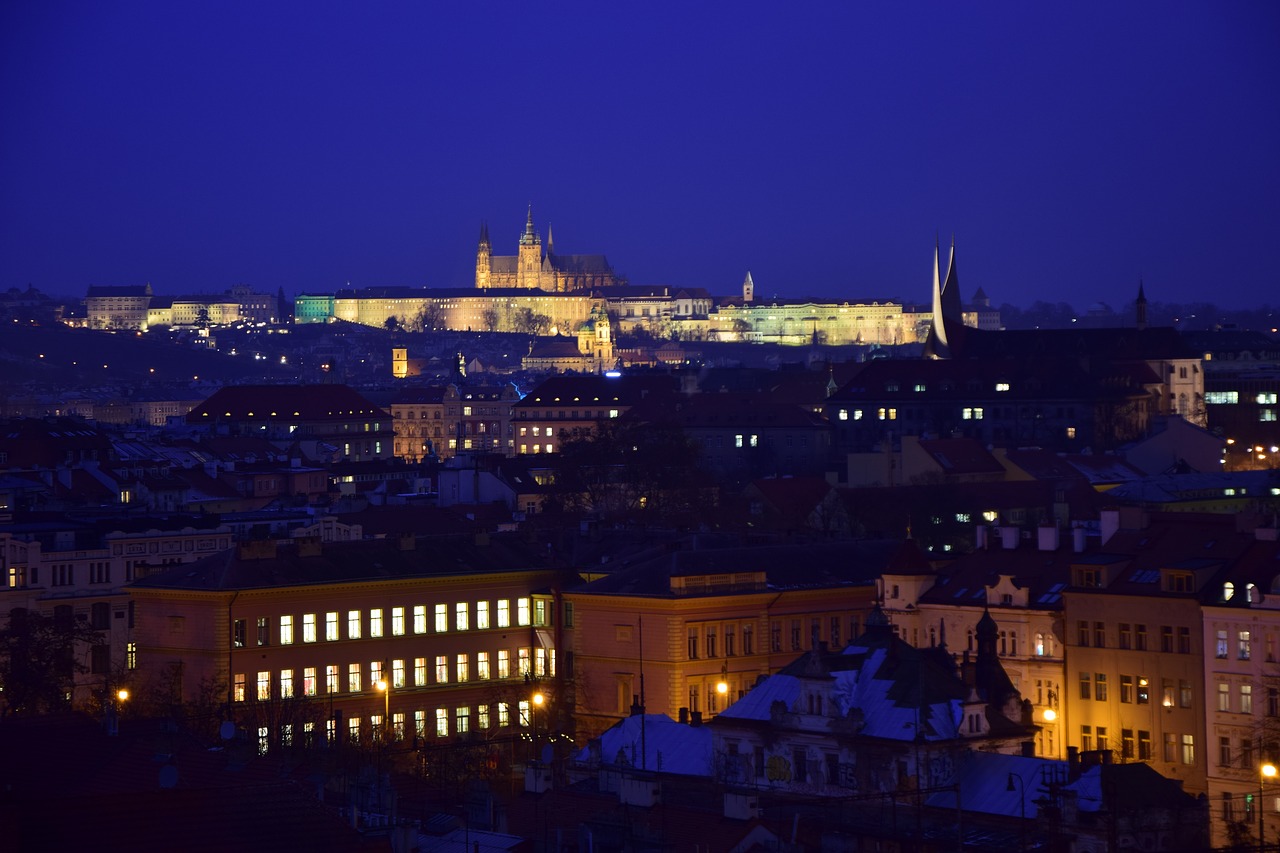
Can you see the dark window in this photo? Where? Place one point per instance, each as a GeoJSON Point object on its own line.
{"type": "Point", "coordinates": [238, 634]}
{"type": "Point", "coordinates": [100, 660]}
{"type": "Point", "coordinates": [100, 616]}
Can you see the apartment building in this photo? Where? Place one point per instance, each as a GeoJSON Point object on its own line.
{"type": "Point", "coordinates": [431, 638]}
{"type": "Point", "coordinates": [691, 629]}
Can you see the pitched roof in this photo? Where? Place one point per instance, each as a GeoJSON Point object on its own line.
{"type": "Point", "coordinates": [346, 562]}
{"type": "Point", "coordinates": [304, 402]}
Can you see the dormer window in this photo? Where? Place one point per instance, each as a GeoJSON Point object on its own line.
{"type": "Point", "coordinates": [1002, 386]}
{"type": "Point", "coordinates": [1179, 582]}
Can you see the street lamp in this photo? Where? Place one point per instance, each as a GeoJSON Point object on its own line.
{"type": "Point", "coordinates": [385, 687]}
{"type": "Point", "coordinates": [538, 700]}
{"type": "Point", "coordinates": [1022, 807]}
{"type": "Point", "coordinates": [1265, 772]}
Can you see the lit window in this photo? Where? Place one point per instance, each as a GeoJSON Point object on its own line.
{"type": "Point", "coordinates": [375, 622]}
{"type": "Point", "coordinates": [1071, 432]}
{"type": "Point", "coordinates": [482, 716]}
{"type": "Point", "coordinates": [286, 630]}
{"type": "Point", "coordinates": [397, 621]}
{"type": "Point", "coordinates": [462, 717]}
{"type": "Point", "coordinates": [331, 678]}
{"type": "Point", "coordinates": [522, 660]}
{"type": "Point", "coordinates": [504, 613]}
{"type": "Point", "coordinates": [482, 615]}
{"type": "Point", "coordinates": [522, 611]}
{"type": "Point", "coordinates": [442, 722]}
{"type": "Point", "coordinates": [309, 681]}
{"type": "Point", "coordinates": [397, 673]}
{"type": "Point", "coordinates": [464, 668]}
{"type": "Point", "coordinates": [1002, 386]}
{"type": "Point", "coordinates": [308, 627]}
{"type": "Point", "coordinates": [442, 669]}
{"type": "Point", "coordinates": [419, 672]}
{"type": "Point", "coordinates": [737, 440]}
{"type": "Point", "coordinates": [504, 663]}
{"type": "Point", "coordinates": [264, 686]}
{"type": "Point", "coordinates": [482, 665]}
{"type": "Point", "coordinates": [286, 684]}
{"type": "Point", "coordinates": [353, 678]}
{"type": "Point", "coordinates": [353, 624]}
{"type": "Point", "coordinates": [442, 618]}
{"type": "Point", "coordinates": [238, 687]}
{"type": "Point", "coordinates": [843, 414]}
{"type": "Point", "coordinates": [419, 619]}
{"type": "Point", "coordinates": [331, 626]}
{"type": "Point", "coordinates": [857, 414]}
{"type": "Point", "coordinates": [462, 616]}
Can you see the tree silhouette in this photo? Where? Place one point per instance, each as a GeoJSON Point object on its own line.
{"type": "Point", "coordinates": [39, 660]}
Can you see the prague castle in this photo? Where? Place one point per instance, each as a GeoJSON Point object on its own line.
{"type": "Point", "coordinates": [533, 269]}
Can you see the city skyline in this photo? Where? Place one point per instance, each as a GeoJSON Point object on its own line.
{"type": "Point", "coordinates": [1070, 153]}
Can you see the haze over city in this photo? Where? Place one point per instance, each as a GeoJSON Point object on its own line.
{"type": "Point", "coordinates": [1071, 151]}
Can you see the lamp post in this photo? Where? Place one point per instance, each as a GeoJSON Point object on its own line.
{"type": "Point", "coordinates": [537, 699]}
{"type": "Point", "coordinates": [1265, 772]}
{"type": "Point", "coordinates": [1022, 807]}
{"type": "Point", "coordinates": [385, 686]}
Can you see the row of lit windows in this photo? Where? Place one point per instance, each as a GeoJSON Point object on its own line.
{"type": "Point", "coordinates": [463, 617]}
{"type": "Point", "coordinates": [416, 672]}
{"type": "Point", "coordinates": [1135, 690]}
{"type": "Point", "coordinates": [1133, 636]}
{"type": "Point", "coordinates": [1230, 398]}
{"type": "Point", "coordinates": [1142, 743]}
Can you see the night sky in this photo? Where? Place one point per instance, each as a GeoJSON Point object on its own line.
{"type": "Point", "coordinates": [1071, 148]}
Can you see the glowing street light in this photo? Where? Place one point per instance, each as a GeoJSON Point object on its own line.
{"type": "Point", "coordinates": [385, 686]}
{"type": "Point", "coordinates": [1265, 772]}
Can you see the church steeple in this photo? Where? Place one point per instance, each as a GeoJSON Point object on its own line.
{"type": "Point", "coordinates": [748, 289]}
{"type": "Point", "coordinates": [1141, 307]}
{"type": "Point", "coordinates": [530, 236]}
{"type": "Point", "coordinates": [549, 249]}
{"type": "Point", "coordinates": [529, 257]}
{"type": "Point", "coordinates": [484, 257]}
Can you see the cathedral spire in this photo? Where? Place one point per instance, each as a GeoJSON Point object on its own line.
{"type": "Point", "coordinates": [1141, 307]}
{"type": "Point", "coordinates": [549, 249]}
{"type": "Point", "coordinates": [530, 236]}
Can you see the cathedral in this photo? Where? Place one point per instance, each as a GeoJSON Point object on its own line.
{"type": "Point", "coordinates": [534, 269]}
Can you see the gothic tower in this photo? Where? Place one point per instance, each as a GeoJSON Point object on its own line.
{"type": "Point", "coordinates": [1141, 306]}
{"type": "Point", "coordinates": [529, 262]}
{"type": "Point", "coordinates": [484, 257]}
{"type": "Point", "coordinates": [748, 289]}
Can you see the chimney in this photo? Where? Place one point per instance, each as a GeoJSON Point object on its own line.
{"type": "Point", "coordinates": [684, 716]}
{"type": "Point", "coordinates": [1048, 537]}
{"type": "Point", "coordinates": [695, 718]}
{"type": "Point", "coordinates": [1028, 749]}
{"type": "Point", "coordinates": [1077, 539]}
{"type": "Point", "coordinates": [1009, 538]}
{"type": "Point", "coordinates": [1073, 763]}
{"type": "Point", "coordinates": [1110, 524]}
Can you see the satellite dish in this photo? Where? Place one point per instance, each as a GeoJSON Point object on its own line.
{"type": "Point", "coordinates": [168, 776]}
{"type": "Point", "coordinates": [227, 730]}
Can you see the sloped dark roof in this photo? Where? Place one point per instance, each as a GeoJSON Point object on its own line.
{"type": "Point", "coordinates": [1104, 344]}
{"type": "Point", "coordinates": [302, 402]}
{"type": "Point", "coordinates": [580, 263]}
{"type": "Point", "coordinates": [73, 787]}
{"type": "Point", "coordinates": [344, 562]}
{"type": "Point", "coordinates": [790, 566]}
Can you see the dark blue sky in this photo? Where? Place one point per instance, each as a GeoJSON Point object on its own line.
{"type": "Point", "coordinates": [1071, 148]}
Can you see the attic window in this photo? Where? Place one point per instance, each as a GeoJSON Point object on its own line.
{"type": "Point", "coordinates": [1002, 386]}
